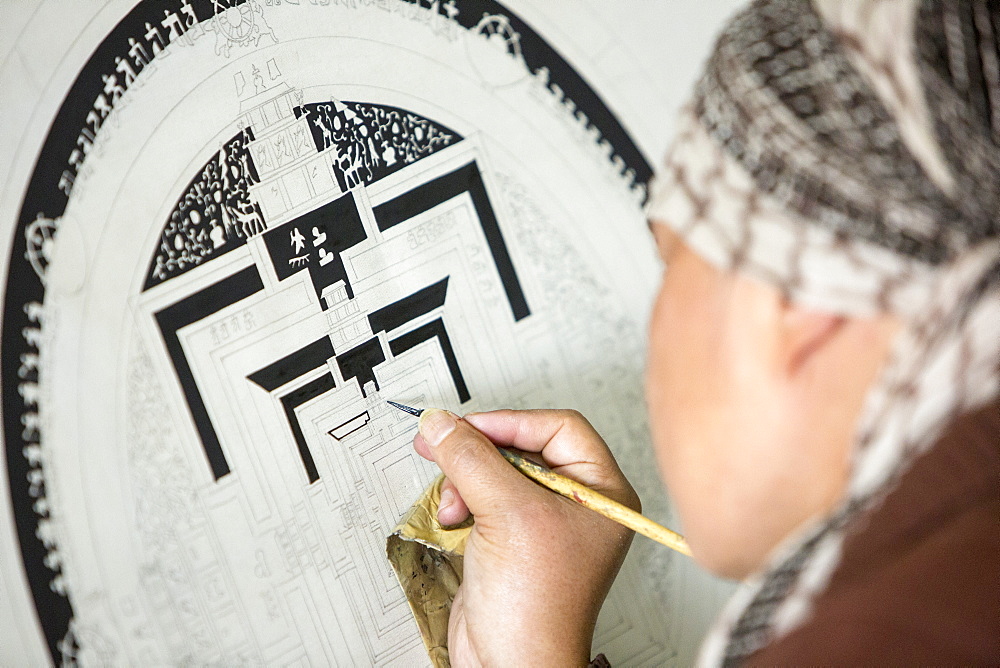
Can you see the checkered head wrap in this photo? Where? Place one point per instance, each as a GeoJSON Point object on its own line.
{"type": "Point", "coordinates": [849, 154]}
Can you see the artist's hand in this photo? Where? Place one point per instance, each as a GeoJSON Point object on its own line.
{"type": "Point", "coordinates": [537, 565]}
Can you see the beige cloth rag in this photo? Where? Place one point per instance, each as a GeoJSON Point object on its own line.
{"type": "Point", "coordinates": [427, 558]}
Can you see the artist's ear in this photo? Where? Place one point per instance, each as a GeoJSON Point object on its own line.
{"type": "Point", "coordinates": [806, 335]}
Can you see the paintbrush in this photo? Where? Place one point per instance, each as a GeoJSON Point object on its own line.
{"type": "Point", "coordinates": [585, 496]}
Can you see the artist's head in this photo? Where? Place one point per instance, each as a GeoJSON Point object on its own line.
{"type": "Point", "coordinates": [806, 215]}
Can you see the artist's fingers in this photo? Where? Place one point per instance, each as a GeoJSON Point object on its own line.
{"type": "Point", "coordinates": [567, 442]}
{"type": "Point", "coordinates": [420, 445]}
{"type": "Point", "coordinates": [424, 450]}
{"type": "Point", "coordinates": [484, 479]}
{"type": "Point", "coordinates": [452, 509]}
{"type": "Point", "coordinates": [565, 436]}
{"type": "Point", "coordinates": [562, 436]}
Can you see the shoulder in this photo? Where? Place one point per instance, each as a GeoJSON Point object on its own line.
{"type": "Point", "coordinates": [935, 602]}
{"type": "Point", "coordinates": [919, 582]}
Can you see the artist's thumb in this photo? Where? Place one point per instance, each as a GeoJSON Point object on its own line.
{"type": "Point", "coordinates": [487, 483]}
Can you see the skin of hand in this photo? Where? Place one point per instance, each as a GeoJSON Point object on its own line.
{"type": "Point", "coordinates": [537, 566]}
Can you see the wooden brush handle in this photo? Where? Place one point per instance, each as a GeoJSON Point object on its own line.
{"type": "Point", "coordinates": [597, 502]}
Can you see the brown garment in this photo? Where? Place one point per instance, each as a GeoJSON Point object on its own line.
{"type": "Point", "coordinates": [919, 583]}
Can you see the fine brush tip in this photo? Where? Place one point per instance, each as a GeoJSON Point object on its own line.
{"type": "Point", "coordinates": [406, 409]}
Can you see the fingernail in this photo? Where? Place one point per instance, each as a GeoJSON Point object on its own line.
{"type": "Point", "coordinates": [435, 424]}
{"type": "Point", "coordinates": [447, 498]}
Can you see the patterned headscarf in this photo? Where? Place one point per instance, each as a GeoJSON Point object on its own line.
{"type": "Point", "coordinates": [849, 154]}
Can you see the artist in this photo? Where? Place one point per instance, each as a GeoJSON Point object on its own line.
{"type": "Point", "coordinates": [823, 368]}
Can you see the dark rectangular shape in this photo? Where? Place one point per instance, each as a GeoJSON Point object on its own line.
{"type": "Point", "coordinates": [443, 188]}
{"type": "Point", "coordinates": [294, 365]}
{"type": "Point", "coordinates": [432, 330]}
{"type": "Point", "coordinates": [191, 309]}
{"type": "Point", "coordinates": [293, 400]}
{"type": "Point", "coordinates": [315, 240]}
{"type": "Point", "coordinates": [406, 309]}
{"type": "Point", "coordinates": [360, 362]}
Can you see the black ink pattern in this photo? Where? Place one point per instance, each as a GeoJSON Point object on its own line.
{"type": "Point", "coordinates": [292, 367]}
{"type": "Point", "coordinates": [372, 141]}
{"type": "Point", "coordinates": [214, 215]}
{"type": "Point", "coordinates": [315, 241]}
{"type": "Point", "coordinates": [150, 30]}
{"type": "Point", "coordinates": [101, 86]}
{"type": "Point", "coordinates": [465, 179]}
{"type": "Point", "coordinates": [435, 330]}
{"type": "Point", "coordinates": [191, 309]}
{"type": "Point", "coordinates": [360, 361]}
{"type": "Point", "coordinates": [422, 302]}
{"type": "Point", "coordinates": [293, 400]}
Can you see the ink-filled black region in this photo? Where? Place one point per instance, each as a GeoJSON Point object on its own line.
{"type": "Point", "coordinates": [432, 330]}
{"type": "Point", "coordinates": [47, 195]}
{"type": "Point", "coordinates": [70, 137]}
{"type": "Point", "coordinates": [214, 215]}
{"type": "Point", "coordinates": [191, 309]}
{"type": "Point", "coordinates": [408, 308]}
{"type": "Point", "coordinates": [315, 240]}
{"type": "Point", "coordinates": [293, 400]}
{"type": "Point", "coordinates": [372, 141]}
{"type": "Point", "coordinates": [294, 365]}
{"type": "Point", "coordinates": [360, 362]}
{"type": "Point", "coordinates": [539, 55]}
{"type": "Point", "coordinates": [465, 179]}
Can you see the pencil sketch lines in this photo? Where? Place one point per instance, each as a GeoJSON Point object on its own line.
{"type": "Point", "coordinates": [218, 210]}
{"type": "Point", "coordinates": [314, 242]}
{"type": "Point", "coordinates": [199, 305]}
{"type": "Point", "coordinates": [214, 215]}
{"type": "Point", "coordinates": [238, 24]}
{"type": "Point", "coordinates": [428, 332]}
{"type": "Point", "coordinates": [293, 400]}
{"type": "Point", "coordinates": [276, 191]}
{"type": "Point", "coordinates": [422, 302]}
{"type": "Point", "coordinates": [342, 431]}
{"type": "Point", "coordinates": [358, 363]}
{"type": "Point", "coordinates": [371, 141]}
{"type": "Point", "coordinates": [291, 368]}
{"type": "Point", "coordinates": [466, 179]}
